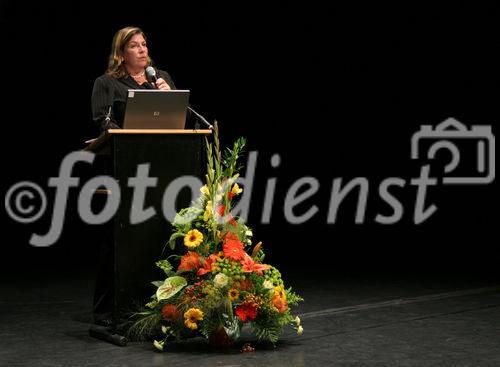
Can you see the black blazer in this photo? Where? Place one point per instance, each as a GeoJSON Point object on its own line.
{"type": "Point", "coordinates": [111, 92]}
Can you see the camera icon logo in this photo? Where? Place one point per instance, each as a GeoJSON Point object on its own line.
{"type": "Point", "coordinates": [472, 150]}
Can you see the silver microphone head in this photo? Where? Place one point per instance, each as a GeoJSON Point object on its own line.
{"type": "Point", "coordinates": [151, 72]}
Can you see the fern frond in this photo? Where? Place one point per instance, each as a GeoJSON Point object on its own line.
{"type": "Point", "coordinates": [145, 326]}
{"type": "Point", "coordinates": [266, 330]}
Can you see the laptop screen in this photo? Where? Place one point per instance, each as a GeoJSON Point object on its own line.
{"type": "Point", "coordinates": [156, 109]}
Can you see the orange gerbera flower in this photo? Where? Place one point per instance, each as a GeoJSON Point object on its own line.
{"type": "Point", "coordinates": [190, 261]}
{"type": "Point", "coordinates": [233, 249]}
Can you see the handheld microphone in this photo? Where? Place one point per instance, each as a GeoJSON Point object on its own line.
{"type": "Point", "coordinates": [151, 73]}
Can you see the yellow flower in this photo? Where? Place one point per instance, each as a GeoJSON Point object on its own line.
{"type": "Point", "coordinates": [236, 189]}
{"type": "Point", "coordinates": [193, 238]}
{"type": "Point", "coordinates": [231, 180]}
{"type": "Point", "coordinates": [191, 316]}
{"type": "Point", "coordinates": [208, 211]}
{"type": "Point", "coordinates": [233, 294]}
{"type": "Point", "coordinates": [205, 191]}
{"type": "Point", "coordinates": [280, 291]}
{"type": "Point", "coordinates": [220, 256]}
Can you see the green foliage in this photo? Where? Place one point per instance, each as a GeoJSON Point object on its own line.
{"type": "Point", "coordinates": [145, 325]}
{"type": "Point", "coordinates": [292, 298]}
{"type": "Point", "coordinates": [174, 237]}
{"type": "Point", "coordinates": [232, 325]}
{"type": "Point", "coordinates": [223, 264]}
{"type": "Point", "coordinates": [267, 329]}
{"type": "Point", "coordinates": [274, 276]}
{"type": "Point", "coordinates": [170, 287]}
{"type": "Point", "coordinates": [166, 267]}
{"type": "Point", "coordinates": [260, 256]}
{"type": "Point", "coordinates": [211, 322]}
{"type": "Point", "coordinates": [230, 158]}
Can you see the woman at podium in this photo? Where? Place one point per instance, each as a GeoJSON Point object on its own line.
{"type": "Point", "coordinates": [126, 70]}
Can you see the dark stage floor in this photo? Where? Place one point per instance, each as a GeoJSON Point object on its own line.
{"type": "Point", "coordinates": [348, 321]}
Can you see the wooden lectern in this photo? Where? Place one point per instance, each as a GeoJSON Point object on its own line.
{"type": "Point", "coordinates": [136, 247]}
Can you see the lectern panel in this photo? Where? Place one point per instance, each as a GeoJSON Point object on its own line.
{"type": "Point", "coordinates": [137, 246]}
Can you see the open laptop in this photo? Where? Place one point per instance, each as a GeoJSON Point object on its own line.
{"type": "Point", "coordinates": [156, 109]}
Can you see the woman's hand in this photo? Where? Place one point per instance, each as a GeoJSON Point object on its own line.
{"type": "Point", "coordinates": [162, 84]}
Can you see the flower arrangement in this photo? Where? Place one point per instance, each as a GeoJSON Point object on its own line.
{"type": "Point", "coordinates": [220, 282]}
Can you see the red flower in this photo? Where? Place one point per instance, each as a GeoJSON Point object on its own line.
{"type": "Point", "coordinates": [170, 312]}
{"type": "Point", "coordinates": [246, 311]}
{"type": "Point", "coordinates": [221, 209]}
{"type": "Point", "coordinates": [190, 261]}
{"type": "Point", "coordinates": [249, 265]}
{"type": "Point", "coordinates": [230, 195]}
{"type": "Point", "coordinates": [207, 265]}
{"type": "Point", "coordinates": [233, 249]}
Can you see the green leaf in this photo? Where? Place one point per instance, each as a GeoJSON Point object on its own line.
{"type": "Point", "coordinates": [166, 267]}
{"type": "Point", "coordinates": [173, 237]}
{"type": "Point", "coordinates": [184, 218]}
{"type": "Point", "coordinates": [144, 325]}
{"type": "Point", "coordinates": [211, 321]}
{"type": "Point", "coordinates": [292, 297]}
{"type": "Point", "coordinates": [158, 283]}
{"type": "Point", "coordinates": [170, 287]}
{"type": "Point", "coordinates": [269, 333]}
{"type": "Point", "coordinates": [232, 325]}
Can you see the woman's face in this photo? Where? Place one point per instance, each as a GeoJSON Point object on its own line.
{"type": "Point", "coordinates": [135, 54]}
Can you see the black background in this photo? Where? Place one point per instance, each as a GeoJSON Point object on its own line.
{"type": "Point", "coordinates": [336, 90]}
